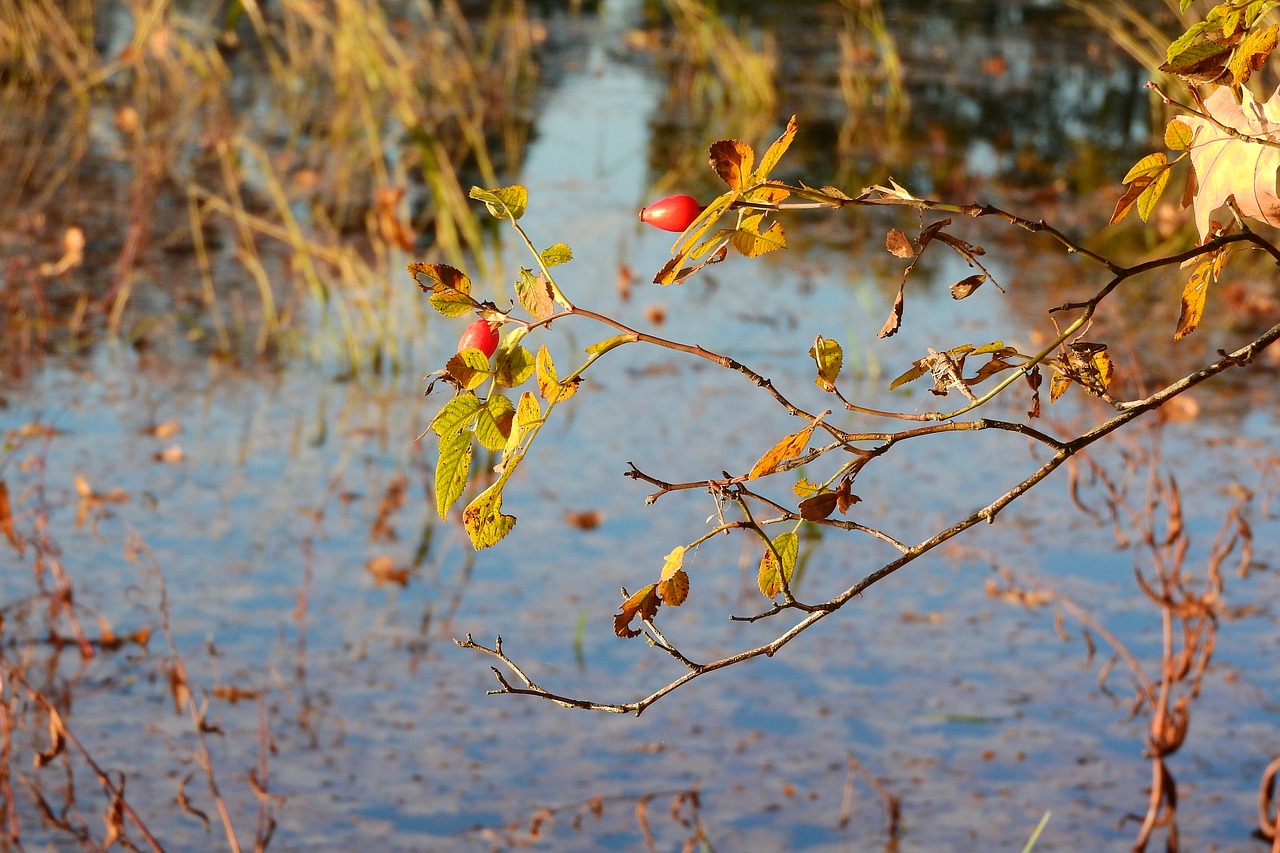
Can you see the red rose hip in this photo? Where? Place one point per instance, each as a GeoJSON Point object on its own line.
{"type": "Point", "coordinates": [479, 335]}
{"type": "Point", "coordinates": [673, 213]}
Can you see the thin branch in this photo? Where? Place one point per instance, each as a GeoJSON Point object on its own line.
{"type": "Point", "coordinates": [1067, 450]}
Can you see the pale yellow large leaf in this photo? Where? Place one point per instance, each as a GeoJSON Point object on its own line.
{"type": "Point", "coordinates": [1229, 166]}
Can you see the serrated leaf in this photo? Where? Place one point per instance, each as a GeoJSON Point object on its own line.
{"type": "Point", "coordinates": [1251, 54]}
{"type": "Point", "coordinates": [1193, 299]}
{"type": "Point", "coordinates": [1178, 135]}
{"type": "Point", "coordinates": [675, 589]}
{"type": "Point", "coordinates": [753, 244]}
{"type": "Point", "coordinates": [504, 202]}
{"type": "Point", "coordinates": [1058, 386]}
{"type": "Point", "coordinates": [829, 358]}
{"type": "Point", "coordinates": [556, 254]}
{"type": "Point", "coordinates": [528, 416]}
{"type": "Point", "coordinates": [789, 448]}
{"type": "Point", "coordinates": [549, 384]}
{"type": "Point", "coordinates": [1186, 50]}
{"type": "Point", "coordinates": [449, 288]}
{"type": "Point", "coordinates": [917, 369]}
{"type": "Point", "coordinates": [484, 520]}
{"type": "Point", "coordinates": [770, 579]}
{"type": "Point", "coordinates": [533, 292]}
{"type": "Point", "coordinates": [644, 603]}
{"type": "Point", "coordinates": [452, 469]}
{"type": "Point", "coordinates": [1148, 166]}
{"type": "Point", "coordinates": [512, 366]}
{"type": "Point", "coordinates": [1151, 194]}
{"type": "Point", "coordinates": [775, 152]}
{"type": "Point", "coordinates": [470, 368]}
{"type": "Point", "coordinates": [456, 414]}
{"type": "Point", "coordinates": [732, 161]}
{"type": "Point", "coordinates": [493, 422]}
{"type": "Point", "coordinates": [673, 562]}
{"type": "Point", "coordinates": [804, 488]}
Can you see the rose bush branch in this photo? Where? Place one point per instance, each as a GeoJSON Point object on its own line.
{"type": "Point", "coordinates": [1239, 358]}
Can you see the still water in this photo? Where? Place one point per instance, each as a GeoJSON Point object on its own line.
{"type": "Point", "coordinates": [257, 508]}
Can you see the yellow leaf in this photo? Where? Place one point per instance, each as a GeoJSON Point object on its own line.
{"type": "Point", "coordinates": [786, 547]}
{"type": "Point", "coordinates": [1149, 196]}
{"type": "Point", "coordinates": [1148, 166]}
{"type": "Point", "coordinates": [789, 448]}
{"type": "Point", "coordinates": [1193, 298]}
{"type": "Point", "coordinates": [1252, 53]}
{"type": "Point", "coordinates": [483, 518]}
{"type": "Point", "coordinates": [549, 384]}
{"type": "Point", "coordinates": [673, 562]}
{"type": "Point", "coordinates": [829, 358]}
{"type": "Point", "coordinates": [775, 152]}
{"type": "Point", "coordinates": [1177, 135]}
{"type": "Point", "coordinates": [675, 589]}
{"type": "Point", "coordinates": [643, 604]}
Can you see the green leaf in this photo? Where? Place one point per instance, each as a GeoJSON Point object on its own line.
{"type": "Point", "coordinates": [787, 548]}
{"type": "Point", "coordinates": [1181, 44]}
{"type": "Point", "coordinates": [512, 366]}
{"type": "Point", "coordinates": [829, 358]}
{"type": "Point", "coordinates": [493, 422]}
{"type": "Point", "coordinates": [483, 518]}
{"type": "Point", "coordinates": [469, 367]}
{"type": "Point", "coordinates": [456, 414]}
{"type": "Point", "coordinates": [452, 469]}
{"type": "Point", "coordinates": [555, 255]}
{"type": "Point", "coordinates": [504, 202]}
{"type": "Point", "coordinates": [534, 294]}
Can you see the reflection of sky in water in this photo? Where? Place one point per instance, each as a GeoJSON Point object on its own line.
{"type": "Point", "coordinates": [973, 710]}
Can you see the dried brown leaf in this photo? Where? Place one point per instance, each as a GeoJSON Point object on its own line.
{"type": "Point", "coordinates": [899, 244]}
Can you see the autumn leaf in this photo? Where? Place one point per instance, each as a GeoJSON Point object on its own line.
{"type": "Point", "coordinates": [1193, 298]}
{"type": "Point", "coordinates": [675, 589]}
{"type": "Point", "coordinates": [894, 322]}
{"type": "Point", "coordinates": [788, 448]}
{"type": "Point", "coordinates": [732, 161]}
{"type": "Point", "coordinates": [829, 358]}
{"type": "Point", "coordinates": [785, 548]}
{"type": "Point", "coordinates": [775, 152]}
{"type": "Point", "coordinates": [899, 244]}
{"type": "Point", "coordinates": [644, 604]}
{"type": "Point", "coordinates": [1228, 166]}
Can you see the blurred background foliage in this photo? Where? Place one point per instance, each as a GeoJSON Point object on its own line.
{"type": "Point", "coordinates": [226, 176]}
